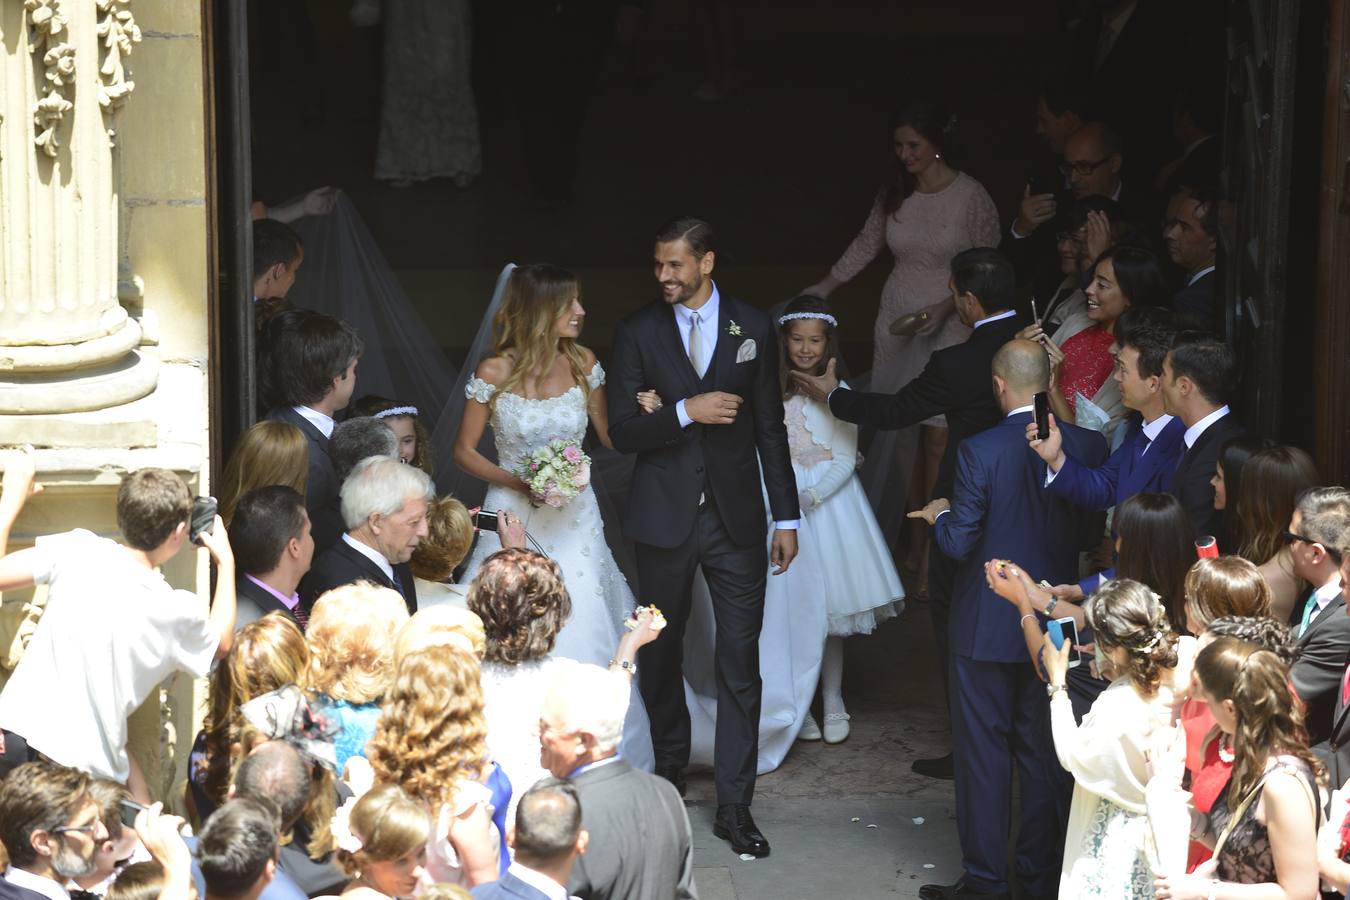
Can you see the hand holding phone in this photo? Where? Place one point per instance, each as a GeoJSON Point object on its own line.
{"type": "Point", "coordinates": [203, 518]}
{"type": "Point", "coordinates": [1042, 402]}
{"type": "Point", "coordinates": [1061, 630]}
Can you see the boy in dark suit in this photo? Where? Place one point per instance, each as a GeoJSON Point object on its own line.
{"type": "Point", "coordinates": [999, 510]}
{"type": "Point", "coordinates": [307, 372]}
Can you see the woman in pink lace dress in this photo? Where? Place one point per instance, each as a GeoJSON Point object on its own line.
{"type": "Point", "coordinates": [926, 215]}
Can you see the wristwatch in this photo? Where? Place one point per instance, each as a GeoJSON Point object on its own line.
{"type": "Point", "coordinates": [629, 667]}
{"type": "Point", "coordinates": [1050, 607]}
{"type": "Point", "coordinates": [1053, 689]}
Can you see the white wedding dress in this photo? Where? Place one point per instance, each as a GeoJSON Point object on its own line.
{"type": "Point", "coordinates": [574, 536]}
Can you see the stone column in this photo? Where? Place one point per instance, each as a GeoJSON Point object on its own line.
{"type": "Point", "coordinates": [66, 344]}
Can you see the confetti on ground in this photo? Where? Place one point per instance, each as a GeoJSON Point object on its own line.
{"type": "Point", "coordinates": [871, 826]}
{"type": "Point", "coordinates": [855, 819]}
{"type": "Point", "coordinates": [929, 866]}
{"type": "Point", "coordinates": [748, 857]}
{"type": "Point", "coordinates": [917, 820]}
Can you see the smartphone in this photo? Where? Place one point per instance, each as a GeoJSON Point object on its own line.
{"type": "Point", "coordinates": [203, 517]}
{"type": "Point", "coordinates": [127, 811]}
{"type": "Point", "coordinates": [1061, 630]}
{"type": "Point", "coordinates": [1040, 183]}
{"type": "Point", "coordinates": [484, 520]}
{"type": "Point", "coordinates": [1042, 401]}
{"type": "Point", "coordinates": [1206, 547]}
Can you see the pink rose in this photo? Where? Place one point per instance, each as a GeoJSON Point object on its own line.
{"type": "Point", "coordinates": [582, 476]}
{"type": "Point", "coordinates": [555, 498]}
{"type": "Point", "coordinates": [572, 454]}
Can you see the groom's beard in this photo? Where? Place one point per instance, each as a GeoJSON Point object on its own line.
{"type": "Point", "coordinates": [684, 293]}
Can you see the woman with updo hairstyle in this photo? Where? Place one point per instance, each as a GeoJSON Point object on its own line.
{"type": "Point", "coordinates": [381, 844]}
{"type": "Point", "coordinates": [522, 601]}
{"type": "Point", "coordinates": [450, 534]}
{"type": "Point", "coordinates": [1107, 755]}
{"type": "Point", "coordinates": [431, 741]}
{"type": "Point", "coordinates": [267, 654]}
{"type": "Point", "coordinates": [266, 454]}
{"type": "Point", "coordinates": [1263, 502]}
{"type": "Point", "coordinates": [351, 644]}
{"type": "Point", "coordinates": [1224, 586]}
{"type": "Point", "coordinates": [926, 212]}
{"type": "Point", "coordinates": [1263, 827]}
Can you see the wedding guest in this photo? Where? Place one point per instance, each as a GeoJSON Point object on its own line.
{"type": "Point", "coordinates": [238, 848]}
{"type": "Point", "coordinates": [355, 439]}
{"type": "Point", "coordinates": [1224, 586]}
{"type": "Point", "coordinates": [307, 372]}
{"type": "Point", "coordinates": [140, 881]}
{"type": "Point", "coordinates": [548, 840]}
{"type": "Point", "coordinates": [267, 654]}
{"type": "Point", "coordinates": [1123, 278]}
{"type": "Point", "coordinates": [414, 444]}
{"type": "Point", "coordinates": [50, 830]}
{"type": "Point", "coordinates": [381, 843]}
{"type": "Point", "coordinates": [1061, 109]}
{"type": "Point", "coordinates": [450, 535]}
{"type": "Point", "coordinates": [954, 384]}
{"type": "Point", "coordinates": [267, 453]}
{"type": "Point", "coordinates": [104, 598]}
{"type": "Point", "coordinates": [1199, 375]}
{"type": "Point", "coordinates": [112, 854]}
{"type": "Point", "coordinates": [1263, 502]}
{"type": "Point", "coordinates": [998, 510]}
{"type": "Point", "coordinates": [1083, 231]}
{"type": "Point", "coordinates": [429, 740]}
{"type": "Point", "coordinates": [1152, 444]}
{"type": "Point", "coordinates": [643, 847]}
{"type": "Point", "coordinates": [384, 504]}
{"type": "Point", "coordinates": [926, 213]}
{"type": "Point", "coordinates": [277, 255]}
{"type": "Point", "coordinates": [273, 548]}
{"type": "Point", "coordinates": [522, 601]}
{"type": "Point", "coordinates": [1233, 456]}
{"type": "Point", "coordinates": [1197, 119]}
{"type": "Point", "coordinates": [1319, 526]}
{"type": "Point", "coordinates": [441, 626]}
{"type": "Point", "coordinates": [351, 636]}
{"type": "Point", "coordinates": [1264, 823]}
{"type": "Point", "coordinates": [1107, 754]}
{"type": "Point", "coordinates": [1192, 235]}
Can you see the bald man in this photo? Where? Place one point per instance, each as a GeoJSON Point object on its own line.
{"type": "Point", "coordinates": [999, 510]}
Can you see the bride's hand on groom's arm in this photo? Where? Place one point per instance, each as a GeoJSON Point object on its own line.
{"type": "Point", "coordinates": [649, 402]}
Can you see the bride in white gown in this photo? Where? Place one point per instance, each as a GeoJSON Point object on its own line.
{"type": "Point", "coordinates": [537, 384]}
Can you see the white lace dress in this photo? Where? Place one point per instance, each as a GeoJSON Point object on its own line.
{"type": "Point", "coordinates": [574, 536]}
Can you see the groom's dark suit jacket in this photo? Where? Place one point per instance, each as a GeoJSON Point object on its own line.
{"type": "Point", "coordinates": [676, 465]}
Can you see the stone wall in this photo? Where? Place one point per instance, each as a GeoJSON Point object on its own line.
{"type": "Point", "coordinates": [104, 284]}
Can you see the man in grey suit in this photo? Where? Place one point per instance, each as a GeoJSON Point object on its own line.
{"type": "Point", "coordinates": [548, 839]}
{"type": "Point", "coordinates": [640, 845]}
{"type": "Point", "coordinates": [1318, 527]}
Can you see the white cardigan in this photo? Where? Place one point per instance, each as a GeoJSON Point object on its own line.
{"type": "Point", "coordinates": [841, 439]}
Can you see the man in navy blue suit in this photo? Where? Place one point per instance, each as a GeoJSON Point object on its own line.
{"type": "Point", "coordinates": [1000, 510]}
{"type": "Point", "coordinates": [1147, 457]}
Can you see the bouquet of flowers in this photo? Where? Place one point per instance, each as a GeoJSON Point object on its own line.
{"type": "Point", "coordinates": [556, 473]}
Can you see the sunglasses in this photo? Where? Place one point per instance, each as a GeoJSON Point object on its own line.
{"type": "Point", "coordinates": [1332, 553]}
{"type": "Point", "coordinates": [1082, 167]}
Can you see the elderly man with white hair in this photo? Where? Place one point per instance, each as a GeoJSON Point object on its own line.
{"type": "Point", "coordinates": [384, 506]}
{"type": "Point", "coordinates": [640, 845]}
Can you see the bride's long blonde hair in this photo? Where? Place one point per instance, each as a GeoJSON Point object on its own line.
{"type": "Point", "coordinates": [536, 296]}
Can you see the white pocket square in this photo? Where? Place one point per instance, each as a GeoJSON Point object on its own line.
{"type": "Point", "coordinates": [747, 351]}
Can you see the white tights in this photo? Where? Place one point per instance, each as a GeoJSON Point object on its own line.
{"type": "Point", "coordinates": [832, 675]}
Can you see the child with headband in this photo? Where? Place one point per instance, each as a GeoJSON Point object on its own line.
{"type": "Point", "coordinates": [414, 447]}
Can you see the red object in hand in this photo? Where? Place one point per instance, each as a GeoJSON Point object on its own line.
{"type": "Point", "coordinates": [1206, 547]}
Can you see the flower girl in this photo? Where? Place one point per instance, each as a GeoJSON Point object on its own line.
{"type": "Point", "coordinates": [381, 843]}
{"type": "Point", "coordinates": [850, 562]}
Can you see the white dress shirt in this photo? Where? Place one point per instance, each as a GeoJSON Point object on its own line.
{"type": "Point", "coordinates": [539, 881]}
{"type": "Point", "coordinates": [317, 419]}
{"type": "Point", "coordinates": [1151, 431]}
{"type": "Point", "coordinates": [371, 554]}
{"type": "Point", "coordinates": [1324, 595]}
{"type": "Point", "coordinates": [994, 318]}
{"type": "Point", "coordinates": [53, 890]}
{"type": "Point", "coordinates": [1193, 433]}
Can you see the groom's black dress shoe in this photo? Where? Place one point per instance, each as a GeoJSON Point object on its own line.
{"type": "Point", "coordinates": [673, 774]}
{"type": "Point", "coordinates": [957, 891]}
{"type": "Point", "coordinates": [733, 824]}
{"type": "Point", "coordinates": [941, 767]}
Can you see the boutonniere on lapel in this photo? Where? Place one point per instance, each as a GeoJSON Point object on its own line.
{"type": "Point", "coordinates": [733, 329]}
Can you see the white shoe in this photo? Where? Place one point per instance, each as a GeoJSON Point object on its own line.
{"type": "Point", "coordinates": [836, 727]}
{"type": "Point", "coordinates": [810, 730]}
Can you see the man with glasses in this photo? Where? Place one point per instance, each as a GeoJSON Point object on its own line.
{"type": "Point", "coordinates": [1320, 525]}
{"type": "Point", "coordinates": [50, 828]}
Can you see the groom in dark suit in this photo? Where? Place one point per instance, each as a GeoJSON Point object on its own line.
{"type": "Point", "coordinates": [696, 501]}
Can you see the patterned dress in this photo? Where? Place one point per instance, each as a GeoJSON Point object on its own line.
{"type": "Point", "coordinates": [923, 235]}
{"type": "Point", "coordinates": [1246, 857]}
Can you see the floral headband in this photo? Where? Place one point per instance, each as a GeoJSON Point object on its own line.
{"type": "Point", "coordinates": [397, 411]}
{"type": "Point", "coordinates": [341, 826]}
{"type": "Point", "coordinates": [824, 317]}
